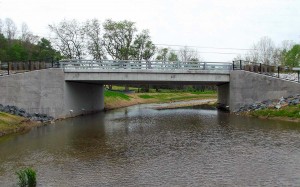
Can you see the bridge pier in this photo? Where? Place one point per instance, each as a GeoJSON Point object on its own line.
{"type": "Point", "coordinates": [223, 96]}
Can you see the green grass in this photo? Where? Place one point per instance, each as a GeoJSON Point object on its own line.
{"type": "Point", "coordinates": [145, 96]}
{"type": "Point", "coordinates": [164, 97]}
{"type": "Point", "coordinates": [112, 94]}
{"type": "Point", "coordinates": [205, 92]}
{"type": "Point", "coordinates": [289, 111]}
{"type": "Point", "coordinates": [8, 121]}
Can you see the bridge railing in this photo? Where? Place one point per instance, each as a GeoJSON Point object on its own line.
{"type": "Point", "coordinates": [7, 68]}
{"type": "Point", "coordinates": [142, 65]}
{"type": "Point", "coordinates": [281, 72]}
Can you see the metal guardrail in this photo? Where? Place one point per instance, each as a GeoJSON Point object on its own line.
{"type": "Point", "coordinates": [142, 65]}
{"type": "Point", "coordinates": [281, 72]}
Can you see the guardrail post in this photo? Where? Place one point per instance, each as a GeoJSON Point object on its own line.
{"type": "Point", "coordinates": [8, 68]}
{"type": "Point", "coordinates": [240, 64]}
{"type": "Point", "coordinates": [260, 67]}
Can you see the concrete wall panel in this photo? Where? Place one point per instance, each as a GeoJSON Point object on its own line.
{"type": "Point", "coordinates": [45, 91]}
{"type": "Point", "coordinates": [247, 88]}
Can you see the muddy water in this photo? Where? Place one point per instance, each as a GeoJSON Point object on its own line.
{"type": "Point", "coordinates": [140, 146]}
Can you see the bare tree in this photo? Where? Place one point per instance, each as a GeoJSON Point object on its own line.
{"type": "Point", "coordinates": [95, 45]}
{"type": "Point", "coordinates": [10, 29]}
{"type": "Point", "coordinates": [187, 54]}
{"type": "Point", "coordinates": [69, 38]}
{"type": "Point", "coordinates": [27, 36]}
{"type": "Point", "coordinates": [263, 52]}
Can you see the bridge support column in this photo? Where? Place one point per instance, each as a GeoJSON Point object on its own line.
{"type": "Point", "coordinates": [223, 96]}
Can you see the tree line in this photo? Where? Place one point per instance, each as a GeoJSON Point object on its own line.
{"type": "Point", "coordinates": [119, 40]}
{"type": "Point", "coordinates": [22, 45]}
{"type": "Point", "coordinates": [266, 52]}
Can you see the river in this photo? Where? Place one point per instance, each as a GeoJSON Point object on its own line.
{"type": "Point", "coordinates": [140, 146]}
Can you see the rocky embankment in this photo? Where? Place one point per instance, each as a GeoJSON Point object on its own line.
{"type": "Point", "coordinates": [21, 112]}
{"type": "Point", "coordinates": [271, 104]}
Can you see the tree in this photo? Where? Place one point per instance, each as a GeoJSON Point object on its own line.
{"type": "Point", "coordinates": [262, 52]}
{"type": "Point", "coordinates": [27, 35]}
{"type": "Point", "coordinates": [1, 27]}
{"type": "Point", "coordinates": [45, 50]}
{"type": "Point", "coordinates": [118, 38]}
{"type": "Point", "coordinates": [9, 29]}
{"type": "Point", "coordinates": [285, 47]}
{"type": "Point", "coordinates": [167, 54]}
{"type": "Point", "coordinates": [69, 38]}
{"type": "Point", "coordinates": [292, 57]}
{"type": "Point", "coordinates": [162, 54]}
{"type": "Point", "coordinates": [143, 48]}
{"type": "Point", "coordinates": [186, 55]}
{"type": "Point", "coordinates": [173, 57]}
{"type": "Point", "coordinates": [94, 44]}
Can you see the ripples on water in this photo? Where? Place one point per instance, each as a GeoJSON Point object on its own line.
{"type": "Point", "coordinates": [139, 146]}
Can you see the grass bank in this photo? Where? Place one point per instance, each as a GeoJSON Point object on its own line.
{"type": "Point", "coordinates": [115, 100]}
{"type": "Point", "coordinates": [12, 124]}
{"type": "Point", "coordinates": [287, 113]}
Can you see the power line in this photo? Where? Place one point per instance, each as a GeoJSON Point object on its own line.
{"type": "Point", "coordinates": [210, 52]}
{"type": "Point", "coordinates": [223, 48]}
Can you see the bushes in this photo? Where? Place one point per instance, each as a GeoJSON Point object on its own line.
{"type": "Point", "coordinates": [27, 177]}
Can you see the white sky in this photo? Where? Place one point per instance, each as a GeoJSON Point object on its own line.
{"type": "Point", "coordinates": [203, 23]}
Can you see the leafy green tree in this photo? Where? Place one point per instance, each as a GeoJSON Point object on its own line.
{"type": "Point", "coordinates": [163, 54]}
{"type": "Point", "coordinates": [118, 38]}
{"type": "Point", "coordinates": [3, 48]}
{"type": "Point", "coordinates": [17, 52]}
{"type": "Point", "coordinates": [46, 51]}
{"type": "Point", "coordinates": [143, 48]}
{"type": "Point", "coordinates": [292, 57]}
{"type": "Point", "coordinates": [166, 54]}
{"type": "Point", "coordinates": [173, 57]}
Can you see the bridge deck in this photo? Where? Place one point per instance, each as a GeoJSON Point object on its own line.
{"type": "Point", "coordinates": [156, 72]}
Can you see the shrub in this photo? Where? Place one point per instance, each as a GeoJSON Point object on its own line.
{"type": "Point", "coordinates": [27, 177]}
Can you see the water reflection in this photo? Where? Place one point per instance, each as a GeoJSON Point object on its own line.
{"type": "Point", "coordinates": [139, 146]}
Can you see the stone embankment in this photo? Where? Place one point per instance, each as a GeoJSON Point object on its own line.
{"type": "Point", "coordinates": [22, 112]}
{"type": "Point", "coordinates": [271, 104]}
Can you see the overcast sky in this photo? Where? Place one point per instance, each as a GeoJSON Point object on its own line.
{"type": "Point", "coordinates": [202, 23]}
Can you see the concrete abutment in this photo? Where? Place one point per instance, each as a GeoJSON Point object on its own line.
{"type": "Point", "coordinates": [248, 88]}
{"type": "Point", "coordinates": [46, 91]}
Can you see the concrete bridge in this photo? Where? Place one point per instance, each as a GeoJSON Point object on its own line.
{"type": "Point", "coordinates": [77, 87]}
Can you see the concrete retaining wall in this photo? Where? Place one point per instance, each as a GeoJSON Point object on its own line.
{"type": "Point", "coordinates": [247, 88]}
{"type": "Point", "coordinates": [45, 91]}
